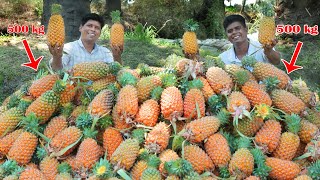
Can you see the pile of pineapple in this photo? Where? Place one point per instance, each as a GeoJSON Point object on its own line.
{"type": "Point", "coordinates": [195, 120]}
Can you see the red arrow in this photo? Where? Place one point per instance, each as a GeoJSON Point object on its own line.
{"type": "Point", "coordinates": [291, 66]}
{"type": "Point", "coordinates": [33, 63]}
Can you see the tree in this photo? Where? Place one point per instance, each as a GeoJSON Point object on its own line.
{"type": "Point", "coordinates": [72, 11]}
{"type": "Point", "coordinates": [112, 5]}
{"type": "Point", "coordinates": [298, 12]}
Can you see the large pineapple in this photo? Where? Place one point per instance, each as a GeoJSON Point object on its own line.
{"type": "Point", "coordinates": [219, 80]}
{"type": "Point", "coordinates": [282, 169]}
{"type": "Point", "coordinates": [56, 32]}
{"type": "Point", "coordinates": [42, 85]}
{"type": "Point", "coordinates": [117, 30]}
{"type": "Point", "coordinates": [202, 161]}
{"type": "Point", "coordinates": [91, 70]}
{"type": "Point", "coordinates": [287, 102]}
{"type": "Point", "coordinates": [267, 26]}
{"type": "Point", "coordinates": [190, 43]}
{"type": "Point", "coordinates": [268, 137]}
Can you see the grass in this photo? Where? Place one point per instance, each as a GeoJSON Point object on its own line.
{"type": "Point", "coordinates": [155, 52]}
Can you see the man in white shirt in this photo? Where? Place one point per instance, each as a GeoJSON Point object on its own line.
{"type": "Point", "coordinates": [236, 30]}
{"type": "Point", "coordinates": [85, 49]}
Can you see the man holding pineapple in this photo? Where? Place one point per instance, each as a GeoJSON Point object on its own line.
{"type": "Point", "coordinates": [85, 49]}
{"type": "Point", "coordinates": [236, 30]}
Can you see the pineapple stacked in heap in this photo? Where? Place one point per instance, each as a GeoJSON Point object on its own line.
{"type": "Point", "coordinates": [181, 123]}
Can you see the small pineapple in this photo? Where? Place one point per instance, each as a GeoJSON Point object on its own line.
{"type": "Point", "coordinates": [267, 27]}
{"type": "Point", "coordinates": [126, 154]}
{"type": "Point", "coordinates": [117, 30]}
{"type": "Point", "coordinates": [112, 138]}
{"type": "Point", "coordinates": [56, 29]}
{"type": "Point", "coordinates": [190, 42]}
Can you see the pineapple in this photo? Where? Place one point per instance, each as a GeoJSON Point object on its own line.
{"type": "Point", "coordinates": [198, 130]}
{"type": "Point", "coordinates": [112, 138]}
{"type": "Point", "coordinates": [307, 131]}
{"type": "Point", "coordinates": [138, 169]}
{"type": "Point", "coordinates": [117, 30]}
{"type": "Point", "coordinates": [287, 102]}
{"type": "Point", "coordinates": [171, 103]}
{"type": "Point", "coordinates": [207, 91]}
{"type": "Point", "coordinates": [238, 102]}
{"type": "Point", "coordinates": [55, 125]}
{"type": "Point", "coordinates": [151, 173]}
{"type": "Point", "coordinates": [102, 104]}
{"type": "Point", "coordinates": [307, 96]}
{"type": "Point", "coordinates": [166, 156]}
{"type": "Point", "coordinates": [190, 42]}
{"type": "Point", "coordinates": [303, 177]}
{"type": "Point", "coordinates": [88, 153]}
{"type": "Point", "coordinates": [236, 72]}
{"type": "Point", "coordinates": [28, 142]}
{"type": "Point", "coordinates": [267, 27]}
{"type": "Point", "coordinates": [219, 80]}
{"type": "Point", "coordinates": [289, 141]}
{"type": "Point", "coordinates": [312, 116]}
{"type": "Point", "coordinates": [202, 162]}
{"type": "Point", "coordinates": [7, 141]}
{"type": "Point", "coordinates": [91, 70]}
{"type": "Point", "coordinates": [68, 94]}
{"type": "Point", "coordinates": [282, 169]}
{"type": "Point", "coordinates": [49, 168]}
{"type": "Point", "coordinates": [145, 85]}
{"type": "Point", "coordinates": [242, 161]}
{"type": "Point", "coordinates": [255, 94]}
{"type": "Point", "coordinates": [127, 103]}
{"type": "Point", "coordinates": [148, 113]}
{"type": "Point", "coordinates": [268, 137]}
{"type": "Point", "coordinates": [218, 149]}
{"type": "Point", "coordinates": [40, 86]}
{"type": "Point", "coordinates": [194, 101]}
{"type": "Point", "coordinates": [103, 83]}
{"type": "Point", "coordinates": [31, 173]}
{"type": "Point", "coordinates": [249, 127]}
{"type": "Point", "coordinates": [126, 154]}
{"type": "Point", "coordinates": [56, 31]}
{"type": "Point", "coordinates": [158, 138]}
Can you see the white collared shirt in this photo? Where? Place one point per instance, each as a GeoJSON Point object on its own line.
{"type": "Point", "coordinates": [75, 53]}
{"type": "Point", "coordinates": [255, 49]}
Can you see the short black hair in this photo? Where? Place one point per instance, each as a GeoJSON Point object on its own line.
{"type": "Point", "coordinates": [92, 16]}
{"type": "Point", "coordinates": [234, 18]}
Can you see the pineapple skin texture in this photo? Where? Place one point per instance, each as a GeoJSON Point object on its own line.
{"type": "Point", "coordinates": [202, 161]}
{"type": "Point", "coordinates": [250, 127]}
{"type": "Point", "coordinates": [138, 169]}
{"type": "Point", "coordinates": [282, 169]}
{"type": "Point", "coordinates": [190, 43]}
{"type": "Point", "coordinates": [192, 97]}
{"type": "Point", "coordinates": [269, 135]}
{"type": "Point", "coordinates": [171, 103]}
{"type": "Point", "coordinates": [111, 140]}
{"type": "Point", "coordinates": [42, 85]}
{"type": "Point", "coordinates": [237, 99]}
{"type": "Point", "coordinates": [219, 80]}
{"type": "Point", "coordinates": [267, 31]}
{"type": "Point", "coordinates": [49, 168]}
{"type": "Point", "coordinates": [117, 35]}
{"type": "Point", "coordinates": [255, 94]}
{"type": "Point", "coordinates": [91, 70]}
{"type": "Point", "coordinates": [126, 153]}
{"type": "Point", "coordinates": [242, 161]}
{"type": "Point", "coordinates": [56, 30]}
{"type": "Point", "coordinates": [9, 120]}
{"type": "Point", "coordinates": [26, 141]}
{"type": "Point", "coordinates": [56, 125]}
{"type": "Point", "coordinates": [207, 91]}
{"type": "Point", "coordinates": [148, 113]}
{"type": "Point", "coordinates": [7, 141]}
{"type": "Point", "coordinates": [158, 138]}
{"type": "Point", "coordinates": [165, 156]}
{"type": "Point", "coordinates": [307, 131]}
{"type": "Point", "coordinates": [146, 85]}
{"type": "Point", "coordinates": [88, 153]}
{"type": "Point", "coordinates": [218, 149]}
{"type": "Point", "coordinates": [287, 102]}
{"type": "Point", "coordinates": [289, 144]}
{"type": "Point", "coordinates": [102, 103]}
{"type": "Point", "coordinates": [31, 173]}
{"type": "Point", "coordinates": [127, 103]}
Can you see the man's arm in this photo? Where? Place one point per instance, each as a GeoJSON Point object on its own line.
{"type": "Point", "coordinates": [272, 55]}
{"type": "Point", "coordinates": [56, 52]}
{"type": "Point", "coordinates": [116, 52]}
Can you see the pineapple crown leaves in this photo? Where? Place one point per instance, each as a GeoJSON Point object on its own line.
{"type": "Point", "coordinates": [105, 122]}
{"type": "Point", "coordinates": [190, 25]}
{"type": "Point", "coordinates": [127, 78]}
{"type": "Point", "coordinates": [31, 124]}
{"type": "Point", "coordinates": [115, 15]}
{"type": "Point", "coordinates": [243, 142]}
{"type": "Point", "coordinates": [241, 76]}
{"type": "Point", "coordinates": [103, 169]}
{"type": "Point", "coordinates": [56, 9]}
{"type": "Point", "coordinates": [262, 171]}
{"type": "Point", "coordinates": [271, 83]}
{"type": "Point", "coordinates": [266, 8]}
{"type": "Point", "coordinates": [59, 86]}
{"type": "Point", "coordinates": [143, 154]}
{"type": "Point", "coordinates": [177, 141]}
{"type": "Point", "coordinates": [89, 133]}
{"type": "Point", "coordinates": [84, 120]}
{"type": "Point", "coordinates": [224, 172]}
{"type": "Point", "coordinates": [248, 62]}
{"type": "Point", "coordinates": [216, 102]}
{"type": "Point", "coordinates": [41, 153]}
{"type": "Point", "coordinates": [144, 69]}
{"type": "Point", "coordinates": [156, 93]}
{"type": "Point", "coordinates": [314, 170]}
{"type": "Point", "coordinates": [24, 104]}
{"type": "Point", "coordinates": [179, 167]}
{"type": "Point", "coordinates": [64, 167]}
{"type": "Point", "coordinates": [293, 123]}
{"type": "Point", "coordinates": [87, 97]}
{"type": "Point", "coordinates": [168, 79]}
{"type": "Point", "coordinates": [153, 161]}
{"type": "Point", "coordinates": [66, 109]}
{"type": "Point", "coordinates": [41, 73]}
{"type": "Point", "coordinates": [13, 101]}
{"type": "Point", "coordinates": [192, 175]}
{"type": "Point", "coordinates": [115, 90]}
{"type": "Point", "coordinates": [8, 168]}
{"type": "Point", "coordinates": [195, 83]}
{"type": "Point", "coordinates": [138, 134]}
{"type": "Point", "coordinates": [223, 115]}
{"type": "Point", "coordinates": [258, 156]}
{"type": "Point", "coordinates": [114, 68]}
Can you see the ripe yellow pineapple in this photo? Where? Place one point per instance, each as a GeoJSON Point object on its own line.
{"type": "Point", "coordinates": [282, 169]}
{"type": "Point", "coordinates": [42, 85]}
{"type": "Point", "coordinates": [7, 141]}
{"type": "Point", "coordinates": [88, 153]}
{"type": "Point", "coordinates": [158, 138]}
{"type": "Point", "coordinates": [255, 94]}
{"type": "Point", "coordinates": [145, 85]}
{"type": "Point", "coordinates": [267, 27]}
{"type": "Point", "coordinates": [165, 156]}
{"type": "Point", "coordinates": [91, 70]}
{"type": "Point", "coordinates": [307, 131]}
{"type": "Point", "coordinates": [126, 154]}
{"type": "Point", "coordinates": [112, 138]}
{"type": "Point", "coordinates": [268, 137]}
{"type": "Point", "coordinates": [127, 103]}
{"type": "Point", "coordinates": [26, 141]}
{"type": "Point", "coordinates": [287, 102]}
{"type": "Point", "coordinates": [193, 98]}
{"type": "Point", "coordinates": [249, 127]}
{"type": "Point", "coordinates": [171, 103]}
{"type": "Point", "coordinates": [218, 149]}
{"type": "Point", "coordinates": [103, 83]}
{"type": "Point", "coordinates": [207, 91]}
{"type": "Point", "coordinates": [190, 42]}
{"type": "Point", "coordinates": [31, 173]}
{"type": "Point", "coordinates": [117, 30]}
{"type": "Point", "coordinates": [49, 167]}
{"type": "Point", "coordinates": [9, 120]}
{"type": "Point", "coordinates": [102, 103]}
{"type": "Point", "coordinates": [238, 101]}
{"type": "Point", "coordinates": [56, 32]}
{"type": "Point", "coordinates": [55, 125]}
{"type": "Point", "coordinates": [148, 113]}
{"type": "Point", "coordinates": [138, 169]}
{"type": "Point", "coordinates": [219, 80]}
{"type": "Point", "coordinates": [198, 158]}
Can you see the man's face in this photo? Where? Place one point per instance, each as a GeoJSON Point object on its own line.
{"type": "Point", "coordinates": [90, 31]}
{"type": "Point", "coordinates": [236, 32]}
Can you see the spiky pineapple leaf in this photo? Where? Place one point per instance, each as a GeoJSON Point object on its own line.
{"type": "Point", "coordinates": [84, 120]}
{"type": "Point", "coordinates": [64, 167]}
{"type": "Point", "coordinates": [115, 15]}
{"type": "Point", "coordinates": [293, 123]}
{"type": "Point", "coordinates": [314, 170]}
{"type": "Point", "coordinates": [156, 93]}
{"type": "Point", "coordinates": [179, 167]}
{"type": "Point", "coordinates": [103, 169]}
{"type": "Point", "coordinates": [190, 25]}
{"type": "Point", "coordinates": [127, 78]}
{"type": "Point", "coordinates": [139, 135]}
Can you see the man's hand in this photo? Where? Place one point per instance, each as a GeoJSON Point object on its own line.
{"type": "Point", "coordinates": [116, 52]}
{"type": "Point", "coordinates": [192, 56]}
{"type": "Point", "coordinates": [269, 47]}
{"type": "Point", "coordinates": [272, 55]}
{"type": "Point", "coordinates": [56, 50]}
